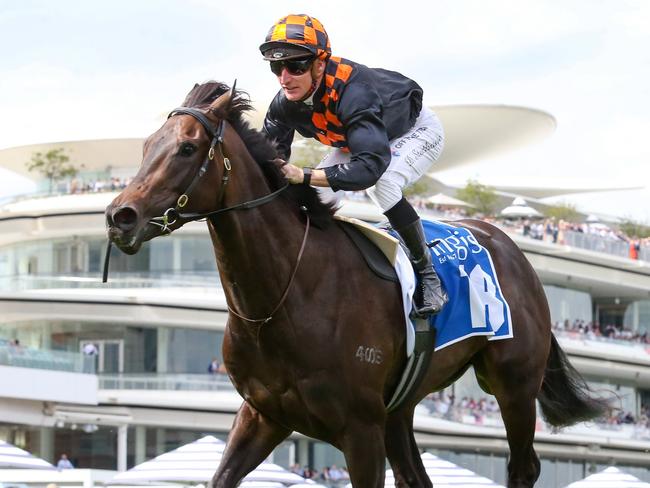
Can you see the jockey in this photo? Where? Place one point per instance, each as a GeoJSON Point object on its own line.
{"type": "Point", "coordinates": [384, 139]}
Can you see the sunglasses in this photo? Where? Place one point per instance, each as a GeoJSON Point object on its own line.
{"type": "Point", "coordinates": [295, 67]}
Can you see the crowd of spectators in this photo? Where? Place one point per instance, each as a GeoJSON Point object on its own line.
{"type": "Point", "coordinates": [594, 331]}
{"type": "Point", "coordinates": [557, 231]}
{"type": "Point", "coordinates": [77, 185]}
{"type": "Point", "coordinates": [331, 476]}
{"type": "Point", "coordinates": [468, 409]}
{"type": "Point", "coordinates": [563, 232]}
{"type": "Point", "coordinates": [617, 418]}
{"type": "Point", "coordinates": [485, 411]}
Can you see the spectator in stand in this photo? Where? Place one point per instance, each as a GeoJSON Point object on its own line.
{"type": "Point", "coordinates": [90, 349]}
{"type": "Point", "coordinates": [635, 247]}
{"type": "Point", "coordinates": [295, 468]}
{"type": "Point", "coordinates": [336, 474]}
{"type": "Point", "coordinates": [15, 346]}
{"type": "Point", "coordinates": [309, 473]}
{"type": "Point", "coordinates": [214, 366]}
{"type": "Point", "coordinates": [325, 475]}
{"type": "Point", "coordinates": [64, 463]}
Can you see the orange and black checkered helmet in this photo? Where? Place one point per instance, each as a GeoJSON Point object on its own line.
{"type": "Point", "coordinates": [296, 36]}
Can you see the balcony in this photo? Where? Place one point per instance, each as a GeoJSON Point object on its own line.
{"type": "Point", "coordinates": [34, 374]}
{"type": "Point", "coordinates": [169, 382]}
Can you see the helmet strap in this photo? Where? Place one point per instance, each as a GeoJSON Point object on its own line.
{"type": "Point", "coordinates": [315, 81]}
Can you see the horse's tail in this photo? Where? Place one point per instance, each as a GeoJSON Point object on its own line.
{"type": "Point", "coordinates": [565, 397]}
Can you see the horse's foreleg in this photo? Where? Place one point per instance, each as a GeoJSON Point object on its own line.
{"type": "Point", "coordinates": [363, 446]}
{"type": "Point", "coordinates": [403, 452]}
{"type": "Point", "coordinates": [251, 440]}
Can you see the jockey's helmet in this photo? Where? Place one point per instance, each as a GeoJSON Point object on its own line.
{"type": "Point", "coordinates": [296, 36]}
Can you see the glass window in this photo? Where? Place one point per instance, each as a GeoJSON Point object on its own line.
{"type": "Point", "coordinates": [326, 455]}
{"type": "Point", "coordinates": [567, 304]}
{"type": "Point", "coordinates": [188, 350]}
{"type": "Point", "coordinates": [33, 265]}
{"type": "Point", "coordinates": [283, 455]}
{"type": "Point", "coordinates": [626, 395]}
{"type": "Point", "coordinates": [197, 254]}
{"type": "Point", "coordinates": [637, 317]}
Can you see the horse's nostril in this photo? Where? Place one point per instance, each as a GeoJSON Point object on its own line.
{"type": "Point", "coordinates": [125, 218]}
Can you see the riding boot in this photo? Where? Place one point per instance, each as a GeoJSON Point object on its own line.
{"type": "Point", "coordinates": [429, 296]}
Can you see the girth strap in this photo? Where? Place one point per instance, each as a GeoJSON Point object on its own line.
{"type": "Point", "coordinates": [416, 366]}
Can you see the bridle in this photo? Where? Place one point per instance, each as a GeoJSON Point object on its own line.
{"type": "Point", "coordinates": [172, 214]}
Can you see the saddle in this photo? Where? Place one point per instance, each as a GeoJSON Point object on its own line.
{"type": "Point", "coordinates": [379, 250]}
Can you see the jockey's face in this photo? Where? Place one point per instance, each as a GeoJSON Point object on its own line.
{"type": "Point", "coordinates": [297, 86]}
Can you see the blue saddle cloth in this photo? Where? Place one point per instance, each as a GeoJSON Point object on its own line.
{"type": "Point", "coordinates": [476, 305]}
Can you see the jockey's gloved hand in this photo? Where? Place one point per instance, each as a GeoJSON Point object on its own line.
{"type": "Point", "coordinates": [293, 173]}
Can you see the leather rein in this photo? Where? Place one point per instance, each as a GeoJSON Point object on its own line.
{"type": "Point", "coordinates": [172, 214]}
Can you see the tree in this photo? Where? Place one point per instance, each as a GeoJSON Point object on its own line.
{"type": "Point", "coordinates": [632, 228]}
{"type": "Point", "coordinates": [481, 196]}
{"type": "Point", "coordinates": [53, 165]}
{"type": "Point", "coordinates": [562, 211]}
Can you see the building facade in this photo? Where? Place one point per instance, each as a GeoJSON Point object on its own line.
{"type": "Point", "coordinates": [114, 374]}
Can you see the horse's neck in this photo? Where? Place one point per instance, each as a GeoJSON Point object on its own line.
{"type": "Point", "coordinates": [257, 248]}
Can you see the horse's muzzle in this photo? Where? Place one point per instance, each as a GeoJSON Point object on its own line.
{"type": "Point", "coordinates": [122, 223]}
{"type": "Point", "coordinates": [125, 218]}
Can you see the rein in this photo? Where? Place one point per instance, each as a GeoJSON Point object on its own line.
{"type": "Point", "coordinates": [172, 214]}
{"type": "Point", "coordinates": [286, 290]}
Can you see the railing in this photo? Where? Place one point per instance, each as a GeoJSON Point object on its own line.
{"type": "Point", "coordinates": [597, 243]}
{"type": "Point", "coordinates": [599, 427]}
{"type": "Point", "coordinates": [590, 337]}
{"type": "Point", "coordinates": [42, 194]}
{"type": "Point", "coordinates": [181, 279]}
{"type": "Point", "coordinates": [451, 412]}
{"type": "Point", "coordinates": [162, 381]}
{"type": "Point", "coordinates": [18, 356]}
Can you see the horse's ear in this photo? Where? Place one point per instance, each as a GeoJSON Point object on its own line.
{"type": "Point", "coordinates": [221, 106]}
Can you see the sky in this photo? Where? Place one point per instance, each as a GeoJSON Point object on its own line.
{"type": "Point", "coordinates": [73, 70]}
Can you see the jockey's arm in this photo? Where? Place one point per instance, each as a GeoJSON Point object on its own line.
{"type": "Point", "coordinates": [296, 176]}
{"type": "Point", "coordinates": [367, 142]}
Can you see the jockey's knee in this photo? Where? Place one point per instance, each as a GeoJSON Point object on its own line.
{"type": "Point", "coordinates": [386, 193]}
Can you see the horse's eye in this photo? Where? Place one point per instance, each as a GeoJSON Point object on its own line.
{"type": "Point", "coordinates": [187, 149]}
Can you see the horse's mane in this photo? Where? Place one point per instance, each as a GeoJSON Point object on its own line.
{"type": "Point", "coordinates": [262, 149]}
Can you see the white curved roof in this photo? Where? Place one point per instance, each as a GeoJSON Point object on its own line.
{"type": "Point", "coordinates": [474, 132]}
{"type": "Point", "coordinates": [471, 132]}
{"type": "Point", "coordinates": [95, 154]}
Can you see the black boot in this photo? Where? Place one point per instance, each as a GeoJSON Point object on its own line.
{"type": "Point", "coordinates": [429, 296]}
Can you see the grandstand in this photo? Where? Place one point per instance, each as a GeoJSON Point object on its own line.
{"type": "Point", "coordinates": [118, 373]}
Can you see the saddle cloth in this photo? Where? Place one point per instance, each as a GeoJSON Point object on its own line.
{"type": "Point", "coordinates": [476, 305]}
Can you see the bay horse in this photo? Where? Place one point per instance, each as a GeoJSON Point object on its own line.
{"type": "Point", "coordinates": [302, 302]}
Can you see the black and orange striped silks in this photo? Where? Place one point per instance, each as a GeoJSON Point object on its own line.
{"type": "Point", "coordinates": [330, 129]}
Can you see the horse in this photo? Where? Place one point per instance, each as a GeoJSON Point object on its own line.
{"type": "Point", "coordinates": [302, 301]}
